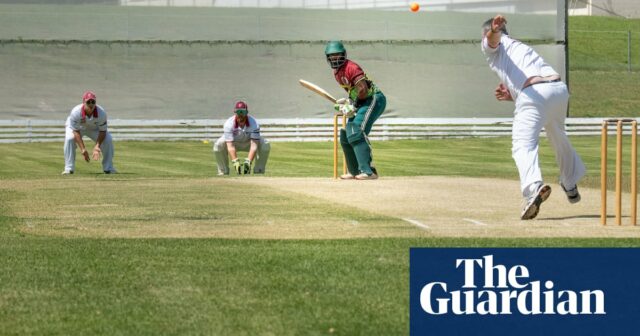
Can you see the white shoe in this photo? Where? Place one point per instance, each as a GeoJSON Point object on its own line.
{"type": "Point", "coordinates": [573, 195]}
{"type": "Point", "coordinates": [364, 176]}
{"type": "Point", "coordinates": [67, 172]}
{"type": "Point", "coordinates": [347, 176]}
{"type": "Point", "coordinates": [532, 207]}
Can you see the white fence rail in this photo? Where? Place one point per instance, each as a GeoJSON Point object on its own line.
{"type": "Point", "coordinates": [29, 130]}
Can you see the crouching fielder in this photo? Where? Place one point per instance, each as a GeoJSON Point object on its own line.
{"type": "Point", "coordinates": [88, 119]}
{"type": "Point", "coordinates": [541, 100]}
{"type": "Point", "coordinates": [241, 133]}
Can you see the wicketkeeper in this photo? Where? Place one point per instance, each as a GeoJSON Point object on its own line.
{"type": "Point", "coordinates": [241, 133]}
{"type": "Point", "coordinates": [363, 107]}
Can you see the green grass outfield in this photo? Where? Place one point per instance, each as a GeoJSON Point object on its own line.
{"type": "Point", "coordinates": [598, 78]}
{"type": "Point", "coordinates": [62, 283]}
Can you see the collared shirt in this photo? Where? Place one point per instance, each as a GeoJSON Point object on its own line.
{"type": "Point", "coordinates": [515, 62]}
{"type": "Point", "coordinates": [79, 121]}
{"type": "Point", "coordinates": [348, 75]}
{"type": "Point", "coordinates": [233, 131]}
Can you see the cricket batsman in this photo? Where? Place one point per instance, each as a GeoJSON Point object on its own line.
{"type": "Point", "coordinates": [364, 105]}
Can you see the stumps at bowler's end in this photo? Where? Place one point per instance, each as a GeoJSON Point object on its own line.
{"type": "Point", "coordinates": [618, 182]}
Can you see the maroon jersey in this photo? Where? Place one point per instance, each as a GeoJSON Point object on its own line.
{"type": "Point", "coordinates": [348, 75]}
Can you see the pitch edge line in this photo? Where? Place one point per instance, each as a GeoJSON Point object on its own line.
{"type": "Point", "coordinates": [416, 223]}
{"type": "Point", "coordinates": [473, 221]}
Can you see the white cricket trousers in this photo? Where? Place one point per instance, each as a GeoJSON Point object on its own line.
{"type": "Point", "coordinates": [543, 105]}
{"type": "Point", "coordinates": [70, 149]}
{"type": "Point", "coordinates": [222, 154]}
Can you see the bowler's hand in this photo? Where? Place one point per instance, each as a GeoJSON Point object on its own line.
{"type": "Point", "coordinates": [96, 153]}
{"type": "Point", "coordinates": [502, 93]}
{"type": "Point", "coordinates": [86, 155]}
{"type": "Point", "coordinates": [498, 23]}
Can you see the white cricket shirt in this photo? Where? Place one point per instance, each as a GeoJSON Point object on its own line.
{"type": "Point", "coordinates": [515, 62]}
{"type": "Point", "coordinates": [90, 122]}
{"type": "Point", "coordinates": [234, 132]}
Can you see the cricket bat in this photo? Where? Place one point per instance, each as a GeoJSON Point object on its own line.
{"type": "Point", "coordinates": [317, 90]}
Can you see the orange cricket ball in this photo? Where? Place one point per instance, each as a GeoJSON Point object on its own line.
{"type": "Point", "coordinates": [414, 7]}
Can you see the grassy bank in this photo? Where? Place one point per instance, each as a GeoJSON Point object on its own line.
{"type": "Point", "coordinates": [600, 82]}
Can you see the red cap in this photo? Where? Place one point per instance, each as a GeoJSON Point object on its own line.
{"type": "Point", "coordinates": [240, 105]}
{"type": "Point", "coordinates": [88, 95]}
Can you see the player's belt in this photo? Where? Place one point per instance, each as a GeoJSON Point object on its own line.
{"type": "Point", "coordinates": [543, 82]}
{"type": "Point", "coordinates": [548, 81]}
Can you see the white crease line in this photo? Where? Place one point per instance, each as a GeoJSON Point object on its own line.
{"type": "Point", "coordinates": [473, 221]}
{"type": "Point", "coordinates": [416, 223]}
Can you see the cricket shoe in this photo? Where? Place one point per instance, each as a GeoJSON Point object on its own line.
{"type": "Point", "coordinates": [347, 176]}
{"type": "Point", "coordinates": [573, 195]}
{"type": "Point", "coordinates": [532, 207]}
{"type": "Point", "coordinates": [67, 172]}
{"type": "Point", "coordinates": [364, 176]}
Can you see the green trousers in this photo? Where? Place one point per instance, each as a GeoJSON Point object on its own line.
{"type": "Point", "coordinates": [354, 137]}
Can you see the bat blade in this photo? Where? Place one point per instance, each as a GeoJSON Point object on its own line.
{"type": "Point", "coordinates": [322, 92]}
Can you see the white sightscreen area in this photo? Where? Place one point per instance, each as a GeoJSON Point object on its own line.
{"type": "Point", "coordinates": [193, 59]}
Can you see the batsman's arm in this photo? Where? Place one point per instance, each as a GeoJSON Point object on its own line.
{"type": "Point", "coordinates": [363, 89]}
{"type": "Point", "coordinates": [359, 91]}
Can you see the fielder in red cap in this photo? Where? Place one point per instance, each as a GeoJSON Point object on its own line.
{"type": "Point", "coordinates": [88, 119]}
{"type": "Point", "coordinates": [241, 132]}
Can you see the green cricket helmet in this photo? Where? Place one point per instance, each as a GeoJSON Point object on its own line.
{"type": "Point", "coordinates": [336, 54]}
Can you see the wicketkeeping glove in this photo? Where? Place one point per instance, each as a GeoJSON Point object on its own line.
{"type": "Point", "coordinates": [236, 166]}
{"type": "Point", "coordinates": [247, 166]}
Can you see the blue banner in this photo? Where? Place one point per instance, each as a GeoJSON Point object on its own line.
{"type": "Point", "coordinates": [524, 291]}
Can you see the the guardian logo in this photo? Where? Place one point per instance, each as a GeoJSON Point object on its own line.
{"type": "Point", "coordinates": [504, 291]}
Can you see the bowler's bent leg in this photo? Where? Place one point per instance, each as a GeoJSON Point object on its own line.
{"type": "Point", "coordinates": [527, 124]}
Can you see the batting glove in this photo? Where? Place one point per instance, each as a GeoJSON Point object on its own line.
{"type": "Point", "coordinates": [247, 166]}
{"type": "Point", "coordinates": [343, 101]}
{"type": "Point", "coordinates": [348, 110]}
{"type": "Point", "coordinates": [236, 166]}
